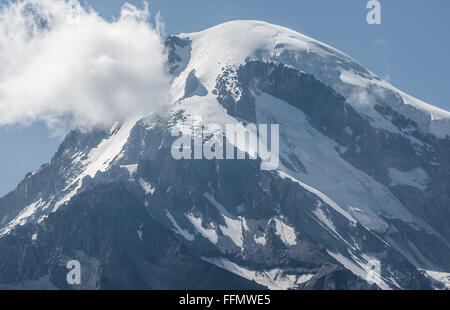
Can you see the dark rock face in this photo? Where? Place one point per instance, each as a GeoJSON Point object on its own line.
{"type": "Point", "coordinates": [124, 237]}
{"type": "Point", "coordinates": [193, 86]}
{"type": "Point", "coordinates": [99, 228]}
{"type": "Point", "coordinates": [173, 46]}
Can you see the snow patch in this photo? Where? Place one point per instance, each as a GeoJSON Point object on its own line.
{"type": "Point", "coordinates": [108, 151]}
{"type": "Point", "coordinates": [443, 277]}
{"type": "Point", "coordinates": [209, 234]}
{"type": "Point", "coordinates": [274, 279]}
{"type": "Point", "coordinates": [148, 189]}
{"type": "Point", "coordinates": [285, 232]}
{"type": "Point", "coordinates": [416, 177]}
{"type": "Point", "coordinates": [233, 225]}
{"type": "Point", "coordinates": [360, 268]}
{"type": "Point", "coordinates": [183, 232]}
{"type": "Point", "coordinates": [131, 169]}
{"type": "Point", "coordinates": [320, 214]}
{"type": "Point", "coordinates": [99, 159]}
{"type": "Point", "coordinates": [140, 232]}
{"type": "Point", "coordinates": [260, 240]}
{"type": "Point", "coordinates": [350, 77]}
{"type": "Point", "coordinates": [23, 216]}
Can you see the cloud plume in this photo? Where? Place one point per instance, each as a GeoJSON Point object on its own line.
{"type": "Point", "coordinates": [64, 64]}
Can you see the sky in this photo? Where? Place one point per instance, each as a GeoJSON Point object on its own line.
{"type": "Point", "coordinates": [409, 48]}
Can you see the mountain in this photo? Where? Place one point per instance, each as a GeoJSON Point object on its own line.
{"type": "Point", "coordinates": [363, 181]}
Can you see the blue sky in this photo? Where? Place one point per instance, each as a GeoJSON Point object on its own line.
{"type": "Point", "coordinates": [410, 48]}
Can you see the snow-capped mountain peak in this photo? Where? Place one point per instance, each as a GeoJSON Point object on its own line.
{"type": "Point", "coordinates": [236, 42]}
{"type": "Point", "coordinates": [363, 178]}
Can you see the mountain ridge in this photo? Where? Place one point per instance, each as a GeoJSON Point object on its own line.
{"type": "Point", "coordinates": [363, 177]}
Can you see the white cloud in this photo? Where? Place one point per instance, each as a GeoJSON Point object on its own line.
{"type": "Point", "coordinates": [60, 61]}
